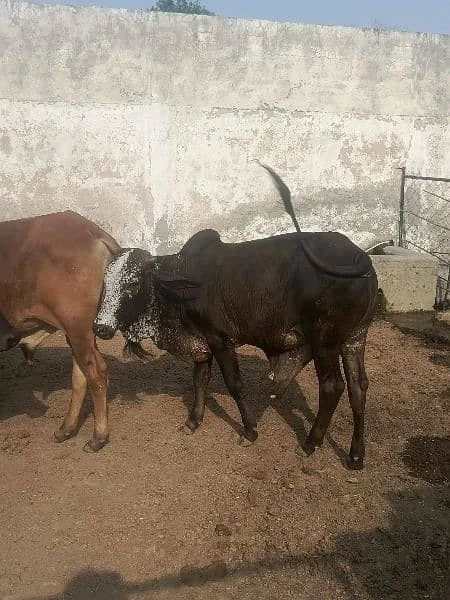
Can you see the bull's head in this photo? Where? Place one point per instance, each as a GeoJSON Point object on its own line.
{"type": "Point", "coordinates": [137, 292]}
{"type": "Point", "coordinates": [124, 296]}
{"type": "Point", "coordinates": [9, 337]}
{"type": "Point", "coordinates": [9, 340]}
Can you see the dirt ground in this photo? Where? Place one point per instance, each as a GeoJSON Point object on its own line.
{"type": "Point", "coordinates": [165, 516]}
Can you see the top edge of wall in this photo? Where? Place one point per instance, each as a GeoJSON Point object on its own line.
{"type": "Point", "coordinates": [377, 31]}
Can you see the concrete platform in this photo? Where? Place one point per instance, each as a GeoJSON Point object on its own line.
{"type": "Point", "coordinates": [407, 278]}
{"type": "Point", "coordinates": [441, 325]}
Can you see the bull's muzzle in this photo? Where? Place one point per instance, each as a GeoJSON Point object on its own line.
{"type": "Point", "coordinates": [8, 341]}
{"type": "Point", "coordinates": [105, 332]}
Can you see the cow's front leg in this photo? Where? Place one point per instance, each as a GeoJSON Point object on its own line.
{"type": "Point", "coordinates": [229, 366]}
{"type": "Point", "coordinates": [202, 375]}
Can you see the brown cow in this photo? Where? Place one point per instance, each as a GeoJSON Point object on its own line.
{"type": "Point", "coordinates": [51, 275]}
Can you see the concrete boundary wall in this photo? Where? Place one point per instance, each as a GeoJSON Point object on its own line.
{"type": "Point", "coordinates": [148, 122]}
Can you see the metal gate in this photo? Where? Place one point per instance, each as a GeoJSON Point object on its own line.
{"type": "Point", "coordinates": [424, 224]}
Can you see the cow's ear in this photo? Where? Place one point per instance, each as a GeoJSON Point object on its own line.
{"type": "Point", "coordinates": [177, 287]}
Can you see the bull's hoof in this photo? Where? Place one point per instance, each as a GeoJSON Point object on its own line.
{"type": "Point", "coordinates": [62, 436]}
{"type": "Point", "coordinates": [244, 442]}
{"type": "Point", "coordinates": [306, 448]}
{"type": "Point", "coordinates": [355, 463]}
{"type": "Point", "coordinates": [188, 428]}
{"type": "Point", "coordinates": [95, 445]}
{"type": "Point", "coordinates": [248, 438]}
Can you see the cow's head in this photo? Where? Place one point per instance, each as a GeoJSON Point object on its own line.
{"type": "Point", "coordinates": [124, 295]}
{"type": "Point", "coordinates": [137, 292]}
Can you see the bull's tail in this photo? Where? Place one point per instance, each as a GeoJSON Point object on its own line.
{"type": "Point", "coordinates": [285, 193]}
{"type": "Point", "coordinates": [136, 349]}
{"type": "Point", "coordinates": [359, 262]}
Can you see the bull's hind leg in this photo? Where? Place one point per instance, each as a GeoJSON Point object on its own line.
{"type": "Point", "coordinates": [286, 366]}
{"type": "Point", "coordinates": [357, 383]}
{"type": "Point", "coordinates": [229, 366]}
{"type": "Point", "coordinates": [331, 387]}
{"type": "Point", "coordinates": [202, 375]}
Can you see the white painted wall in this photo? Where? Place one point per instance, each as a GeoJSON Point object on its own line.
{"type": "Point", "coordinates": [147, 123]}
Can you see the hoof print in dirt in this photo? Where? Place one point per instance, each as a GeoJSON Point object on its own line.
{"type": "Point", "coordinates": [307, 470]}
{"type": "Point", "coordinates": [222, 530]}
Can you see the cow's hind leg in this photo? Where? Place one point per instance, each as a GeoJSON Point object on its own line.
{"type": "Point", "coordinates": [69, 427]}
{"type": "Point", "coordinates": [357, 384]}
{"type": "Point", "coordinates": [229, 366]}
{"type": "Point", "coordinates": [331, 387]}
{"type": "Point", "coordinates": [202, 375]}
{"type": "Point", "coordinates": [29, 343]}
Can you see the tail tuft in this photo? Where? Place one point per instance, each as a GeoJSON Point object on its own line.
{"type": "Point", "coordinates": [284, 192]}
{"type": "Point", "coordinates": [136, 349]}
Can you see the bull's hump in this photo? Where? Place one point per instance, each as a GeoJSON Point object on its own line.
{"type": "Point", "coordinates": [200, 242]}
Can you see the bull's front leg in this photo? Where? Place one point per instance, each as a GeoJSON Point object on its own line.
{"type": "Point", "coordinates": [202, 375]}
{"type": "Point", "coordinates": [229, 366]}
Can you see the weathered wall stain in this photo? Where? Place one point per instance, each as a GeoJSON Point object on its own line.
{"type": "Point", "coordinates": [5, 142]}
{"type": "Point", "coordinates": [148, 123]}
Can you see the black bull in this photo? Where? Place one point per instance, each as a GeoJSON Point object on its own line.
{"type": "Point", "coordinates": [298, 297]}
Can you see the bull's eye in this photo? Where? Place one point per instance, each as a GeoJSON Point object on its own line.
{"type": "Point", "coordinates": [131, 288]}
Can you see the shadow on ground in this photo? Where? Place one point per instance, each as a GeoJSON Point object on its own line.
{"type": "Point", "coordinates": [428, 458]}
{"type": "Point", "coordinates": [420, 326]}
{"type": "Point", "coordinates": [405, 560]}
{"type": "Point", "coordinates": [28, 390]}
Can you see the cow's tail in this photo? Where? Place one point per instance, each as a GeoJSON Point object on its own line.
{"type": "Point", "coordinates": [136, 349]}
{"type": "Point", "coordinates": [285, 193]}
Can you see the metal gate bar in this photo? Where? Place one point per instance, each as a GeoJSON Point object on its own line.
{"type": "Point", "coordinates": [443, 285]}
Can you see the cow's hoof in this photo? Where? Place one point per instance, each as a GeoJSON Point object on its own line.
{"type": "Point", "coordinates": [62, 436]}
{"type": "Point", "coordinates": [244, 442]}
{"type": "Point", "coordinates": [355, 463]}
{"type": "Point", "coordinates": [306, 448]}
{"type": "Point", "coordinates": [95, 445]}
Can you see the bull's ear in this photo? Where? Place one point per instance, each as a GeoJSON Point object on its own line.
{"type": "Point", "coordinates": [177, 287]}
{"type": "Point", "coordinates": [175, 282]}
